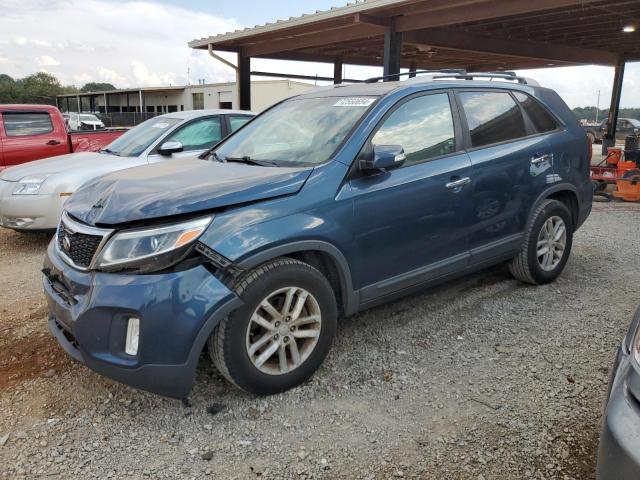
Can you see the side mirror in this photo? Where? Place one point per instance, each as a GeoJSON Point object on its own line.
{"type": "Point", "coordinates": [383, 158]}
{"type": "Point", "coordinates": [167, 148]}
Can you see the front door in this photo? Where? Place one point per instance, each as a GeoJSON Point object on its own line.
{"type": "Point", "coordinates": [31, 135]}
{"type": "Point", "coordinates": [410, 223]}
{"type": "Point", "coordinates": [195, 137]}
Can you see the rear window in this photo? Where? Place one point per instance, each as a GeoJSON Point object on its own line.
{"type": "Point", "coordinates": [20, 124]}
{"type": "Point", "coordinates": [493, 117]}
{"type": "Point", "coordinates": [542, 120]}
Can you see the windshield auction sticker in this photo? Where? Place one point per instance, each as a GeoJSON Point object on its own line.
{"type": "Point", "coordinates": [354, 102]}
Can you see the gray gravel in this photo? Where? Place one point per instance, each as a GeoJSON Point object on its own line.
{"type": "Point", "coordinates": [483, 378]}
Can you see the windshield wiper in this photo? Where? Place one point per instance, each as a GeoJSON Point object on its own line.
{"type": "Point", "coordinates": [250, 161]}
{"type": "Point", "coordinates": [106, 150]}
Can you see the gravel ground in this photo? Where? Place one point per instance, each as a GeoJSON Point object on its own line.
{"type": "Point", "coordinates": [483, 378]}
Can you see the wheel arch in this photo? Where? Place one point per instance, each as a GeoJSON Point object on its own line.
{"type": "Point", "coordinates": [564, 193]}
{"type": "Point", "coordinates": [323, 256]}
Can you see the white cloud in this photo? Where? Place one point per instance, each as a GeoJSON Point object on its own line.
{"type": "Point", "coordinates": [129, 43]}
{"type": "Point", "coordinates": [48, 61]}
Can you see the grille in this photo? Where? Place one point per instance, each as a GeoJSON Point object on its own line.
{"type": "Point", "coordinates": [80, 248]}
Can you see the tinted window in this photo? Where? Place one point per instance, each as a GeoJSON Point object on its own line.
{"type": "Point", "coordinates": [236, 122]}
{"type": "Point", "coordinates": [423, 126]}
{"type": "Point", "coordinates": [199, 135]}
{"type": "Point", "coordinates": [542, 120]}
{"type": "Point", "coordinates": [492, 117]}
{"type": "Point", "coordinates": [20, 124]}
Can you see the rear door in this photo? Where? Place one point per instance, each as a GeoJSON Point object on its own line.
{"type": "Point", "coordinates": [196, 136]}
{"type": "Point", "coordinates": [512, 162]}
{"type": "Point", "coordinates": [31, 135]}
{"type": "Point", "coordinates": [410, 222]}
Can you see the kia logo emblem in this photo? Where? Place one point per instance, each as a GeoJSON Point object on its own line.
{"type": "Point", "coordinates": [66, 243]}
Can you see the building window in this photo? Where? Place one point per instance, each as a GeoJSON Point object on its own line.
{"type": "Point", "coordinates": [226, 105]}
{"type": "Point", "coordinates": [150, 108]}
{"type": "Point", "coordinates": [172, 108]}
{"type": "Point", "coordinates": [198, 101]}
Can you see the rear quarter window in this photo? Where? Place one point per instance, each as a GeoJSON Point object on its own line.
{"type": "Point", "coordinates": [542, 120]}
{"type": "Point", "coordinates": [19, 124]}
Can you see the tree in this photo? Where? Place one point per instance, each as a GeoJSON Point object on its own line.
{"type": "Point", "coordinates": [40, 87]}
{"type": "Point", "coordinates": [97, 87]}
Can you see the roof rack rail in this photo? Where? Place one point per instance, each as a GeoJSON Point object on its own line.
{"type": "Point", "coordinates": [450, 71]}
{"type": "Point", "coordinates": [490, 75]}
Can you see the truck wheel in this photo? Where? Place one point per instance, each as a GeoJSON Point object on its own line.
{"type": "Point", "coordinates": [282, 333]}
{"type": "Point", "coordinates": [547, 245]}
{"type": "Point", "coordinates": [591, 137]}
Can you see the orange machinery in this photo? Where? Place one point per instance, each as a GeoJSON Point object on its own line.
{"type": "Point", "coordinates": [624, 174]}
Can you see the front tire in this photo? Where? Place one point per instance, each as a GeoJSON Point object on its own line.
{"type": "Point", "coordinates": [547, 245]}
{"type": "Point", "coordinates": [282, 333]}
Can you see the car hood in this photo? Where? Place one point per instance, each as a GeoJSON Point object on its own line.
{"type": "Point", "coordinates": [90, 161]}
{"type": "Point", "coordinates": [175, 188]}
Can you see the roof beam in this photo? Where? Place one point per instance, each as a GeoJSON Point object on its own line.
{"type": "Point", "coordinates": [477, 12]}
{"type": "Point", "coordinates": [455, 39]}
{"type": "Point", "coordinates": [344, 34]}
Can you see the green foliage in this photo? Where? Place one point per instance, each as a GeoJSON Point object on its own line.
{"type": "Point", "coordinates": [590, 113]}
{"type": "Point", "coordinates": [40, 87]}
{"type": "Point", "coordinates": [97, 87]}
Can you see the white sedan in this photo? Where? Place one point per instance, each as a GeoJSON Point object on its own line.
{"type": "Point", "coordinates": [32, 194]}
{"type": "Point", "coordinates": [84, 121]}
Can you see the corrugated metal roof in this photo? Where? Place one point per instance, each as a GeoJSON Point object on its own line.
{"type": "Point", "coordinates": [359, 6]}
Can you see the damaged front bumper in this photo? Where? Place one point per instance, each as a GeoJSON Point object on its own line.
{"type": "Point", "coordinates": [177, 312]}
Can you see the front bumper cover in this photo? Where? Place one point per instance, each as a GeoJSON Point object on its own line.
{"type": "Point", "coordinates": [177, 310]}
{"type": "Point", "coordinates": [619, 452]}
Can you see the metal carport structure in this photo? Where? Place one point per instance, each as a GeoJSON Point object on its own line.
{"type": "Point", "coordinates": [477, 35]}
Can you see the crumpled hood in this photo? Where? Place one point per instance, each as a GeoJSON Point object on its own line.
{"type": "Point", "coordinates": [100, 162]}
{"type": "Point", "coordinates": [181, 187]}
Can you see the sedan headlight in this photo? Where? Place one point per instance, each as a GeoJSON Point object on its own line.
{"type": "Point", "coordinates": [29, 185]}
{"type": "Point", "coordinates": [149, 249]}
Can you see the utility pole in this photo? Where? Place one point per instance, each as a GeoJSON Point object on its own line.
{"type": "Point", "coordinates": [598, 106]}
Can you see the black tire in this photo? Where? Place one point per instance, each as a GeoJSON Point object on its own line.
{"type": "Point", "coordinates": [227, 344]}
{"type": "Point", "coordinates": [525, 266]}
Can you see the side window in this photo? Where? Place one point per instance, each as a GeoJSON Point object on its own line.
{"type": "Point", "coordinates": [423, 126]}
{"type": "Point", "coordinates": [199, 135]}
{"type": "Point", "coordinates": [542, 120]}
{"type": "Point", "coordinates": [492, 117]}
{"type": "Point", "coordinates": [236, 122]}
{"type": "Point", "coordinates": [18, 124]}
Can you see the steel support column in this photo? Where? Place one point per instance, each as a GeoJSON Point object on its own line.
{"type": "Point", "coordinates": [609, 140]}
{"type": "Point", "coordinates": [392, 53]}
{"type": "Point", "coordinates": [337, 70]}
{"type": "Point", "coordinates": [412, 69]}
{"type": "Point", "coordinates": [244, 80]}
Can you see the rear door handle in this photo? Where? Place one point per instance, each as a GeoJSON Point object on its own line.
{"type": "Point", "coordinates": [538, 159]}
{"type": "Point", "coordinates": [457, 184]}
{"type": "Point", "coordinates": [53, 142]}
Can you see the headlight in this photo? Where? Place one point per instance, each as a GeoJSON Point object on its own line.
{"type": "Point", "coordinates": [29, 185]}
{"type": "Point", "coordinates": [151, 249]}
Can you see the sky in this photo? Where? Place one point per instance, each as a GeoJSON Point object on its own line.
{"type": "Point", "coordinates": [144, 43]}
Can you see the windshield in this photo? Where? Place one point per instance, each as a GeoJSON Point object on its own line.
{"type": "Point", "coordinates": [88, 118]}
{"type": "Point", "coordinates": [634, 122]}
{"type": "Point", "coordinates": [297, 132]}
{"type": "Point", "coordinates": [138, 139]}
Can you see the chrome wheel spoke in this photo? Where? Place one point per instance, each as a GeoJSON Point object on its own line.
{"type": "Point", "coordinates": [267, 354]}
{"type": "Point", "coordinates": [260, 343]}
{"type": "Point", "coordinates": [551, 243]}
{"type": "Point", "coordinates": [306, 333]}
{"type": "Point", "coordinates": [298, 322]}
{"type": "Point", "coordinates": [295, 354]}
{"type": "Point", "coordinates": [270, 309]}
{"type": "Point", "coordinates": [287, 301]}
{"type": "Point", "coordinates": [302, 298]}
{"type": "Point", "coordinates": [263, 322]}
{"type": "Point", "coordinates": [282, 358]}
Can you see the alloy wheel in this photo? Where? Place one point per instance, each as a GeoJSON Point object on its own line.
{"type": "Point", "coordinates": [284, 330]}
{"type": "Point", "coordinates": [552, 241]}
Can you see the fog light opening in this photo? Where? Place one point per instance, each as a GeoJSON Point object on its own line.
{"type": "Point", "coordinates": [133, 335]}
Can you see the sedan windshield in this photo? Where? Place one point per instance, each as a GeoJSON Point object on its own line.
{"type": "Point", "coordinates": [298, 132]}
{"type": "Point", "coordinates": [138, 139]}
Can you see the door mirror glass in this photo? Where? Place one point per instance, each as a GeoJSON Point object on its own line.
{"type": "Point", "coordinates": [383, 158]}
{"type": "Point", "coordinates": [167, 148]}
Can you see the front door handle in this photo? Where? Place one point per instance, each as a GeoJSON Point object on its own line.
{"type": "Point", "coordinates": [457, 184]}
{"type": "Point", "coordinates": [53, 142]}
{"type": "Point", "coordinates": [538, 159]}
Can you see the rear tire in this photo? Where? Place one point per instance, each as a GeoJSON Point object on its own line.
{"type": "Point", "coordinates": [547, 245]}
{"type": "Point", "coordinates": [282, 333]}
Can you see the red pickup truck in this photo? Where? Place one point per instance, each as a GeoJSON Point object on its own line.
{"type": "Point", "coordinates": [31, 132]}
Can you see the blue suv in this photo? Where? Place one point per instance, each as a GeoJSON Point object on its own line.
{"type": "Point", "coordinates": [326, 204]}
